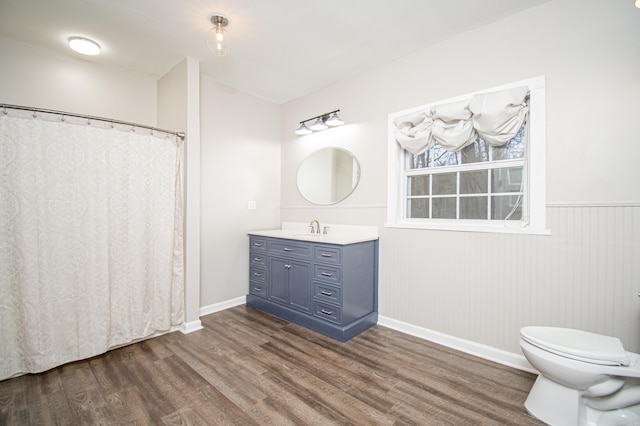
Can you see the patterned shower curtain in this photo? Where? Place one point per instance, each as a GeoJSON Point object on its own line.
{"type": "Point", "coordinates": [91, 252]}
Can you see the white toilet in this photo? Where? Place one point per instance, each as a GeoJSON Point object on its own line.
{"type": "Point", "coordinates": [585, 378]}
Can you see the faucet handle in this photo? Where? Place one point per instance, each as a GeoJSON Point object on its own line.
{"type": "Point", "coordinates": [326, 228]}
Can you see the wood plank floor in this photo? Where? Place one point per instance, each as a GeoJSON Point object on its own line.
{"type": "Point", "coordinates": [249, 368]}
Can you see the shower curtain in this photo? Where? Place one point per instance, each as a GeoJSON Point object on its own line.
{"type": "Point", "coordinates": [91, 252]}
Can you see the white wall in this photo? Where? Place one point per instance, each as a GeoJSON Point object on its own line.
{"type": "Point", "coordinates": [240, 162]}
{"type": "Point", "coordinates": [484, 287]}
{"type": "Point", "coordinates": [37, 77]}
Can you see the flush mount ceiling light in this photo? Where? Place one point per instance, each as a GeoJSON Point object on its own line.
{"type": "Point", "coordinates": [84, 46]}
{"type": "Point", "coordinates": [217, 38]}
{"type": "Point", "coordinates": [320, 122]}
{"type": "Point", "coordinates": [637, 3]}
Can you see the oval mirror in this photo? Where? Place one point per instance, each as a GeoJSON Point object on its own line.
{"type": "Point", "coordinates": [328, 176]}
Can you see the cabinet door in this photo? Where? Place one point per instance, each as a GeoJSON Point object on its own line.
{"type": "Point", "coordinates": [279, 280]}
{"type": "Point", "coordinates": [300, 286]}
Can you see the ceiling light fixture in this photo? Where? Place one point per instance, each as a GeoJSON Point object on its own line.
{"type": "Point", "coordinates": [217, 37]}
{"type": "Point", "coordinates": [320, 122]}
{"type": "Point", "coordinates": [84, 46]}
{"type": "Point", "coordinates": [637, 3]}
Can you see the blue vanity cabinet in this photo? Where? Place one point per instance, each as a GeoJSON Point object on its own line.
{"type": "Point", "coordinates": [329, 288]}
{"type": "Point", "coordinates": [288, 283]}
{"type": "Point", "coordinates": [258, 267]}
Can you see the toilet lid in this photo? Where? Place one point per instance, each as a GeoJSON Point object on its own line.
{"type": "Point", "coordinates": [577, 344]}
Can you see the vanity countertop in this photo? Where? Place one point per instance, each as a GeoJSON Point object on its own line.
{"type": "Point", "coordinates": [336, 234]}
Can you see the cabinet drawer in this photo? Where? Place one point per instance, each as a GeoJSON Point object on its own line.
{"type": "Point", "coordinates": [258, 274]}
{"type": "Point", "coordinates": [257, 288]}
{"type": "Point", "coordinates": [290, 248]}
{"type": "Point", "coordinates": [258, 244]}
{"type": "Point", "coordinates": [328, 254]}
{"type": "Point", "coordinates": [327, 293]}
{"type": "Point", "coordinates": [327, 312]}
{"type": "Point", "coordinates": [258, 259]}
{"type": "Point", "coordinates": [328, 274]}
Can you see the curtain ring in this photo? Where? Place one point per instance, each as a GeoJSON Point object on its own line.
{"type": "Point", "coordinates": [35, 115]}
{"type": "Point", "coordinates": [62, 118]}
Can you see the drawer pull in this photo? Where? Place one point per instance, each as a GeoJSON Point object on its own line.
{"type": "Point", "coordinates": [326, 293]}
{"type": "Point", "coordinates": [257, 274]}
{"type": "Point", "coordinates": [326, 274]}
{"type": "Point", "coordinates": [257, 244]}
{"type": "Point", "coordinates": [326, 255]}
{"type": "Point", "coordinates": [326, 312]}
{"type": "Point", "coordinates": [287, 249]}
{"type": "Point", "coordinates": [257, 259]}
{"type": "Point", "coordinates": [287, 266]}
{"type": "Point", "coordinates": [257, 288]}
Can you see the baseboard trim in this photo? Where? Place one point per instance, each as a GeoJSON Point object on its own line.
{"type": "Point", "coordinates": [477, 349]}
{"type": "Point", "coordinates": [191, 326]}
{"type": "Point", "coordinates": [221, 306]}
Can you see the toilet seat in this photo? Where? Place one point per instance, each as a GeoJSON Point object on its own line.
{"type": "Point", "coordinates": [577, 344]}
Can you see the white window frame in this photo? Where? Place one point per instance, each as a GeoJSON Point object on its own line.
{"type": "Point", "coordinates": [535, 178]}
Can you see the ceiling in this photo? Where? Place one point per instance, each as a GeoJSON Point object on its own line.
{"type": "Point", "coordinates": [280, 49]}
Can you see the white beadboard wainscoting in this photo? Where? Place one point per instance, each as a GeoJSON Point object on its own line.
{"type": "Point", "coordinates": [483, 287]}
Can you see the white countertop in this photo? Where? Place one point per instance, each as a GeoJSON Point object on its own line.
{"type": "Point", "coordinates": [336, 234]}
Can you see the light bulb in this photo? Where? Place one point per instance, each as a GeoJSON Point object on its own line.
{"type": "Point", "coordinates": [217, 40]}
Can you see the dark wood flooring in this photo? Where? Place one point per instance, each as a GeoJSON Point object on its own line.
{"type": "Point", "coordinates": [249, 368]}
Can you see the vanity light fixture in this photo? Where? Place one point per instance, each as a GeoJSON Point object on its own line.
{"type": "Point", "coordinates": [84, 46]}
{"type": "Point", "coordinates": [320, 122]}
{"type": "Point", "coordinates": [217, 37]}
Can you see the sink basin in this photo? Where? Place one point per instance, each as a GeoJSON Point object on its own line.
{"type": "Point", "coordinates": [307, 234]}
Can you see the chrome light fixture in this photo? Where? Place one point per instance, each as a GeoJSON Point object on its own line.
{"type": "Point", "coordinates": [217, 37]}
{"type": "Point", "coordinates": [320, 122]}
{"type": "Point", "coordinates": [84, 46]}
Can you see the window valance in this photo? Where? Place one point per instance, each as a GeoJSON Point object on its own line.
{"type": "Point", "coordinates": [496, 117]}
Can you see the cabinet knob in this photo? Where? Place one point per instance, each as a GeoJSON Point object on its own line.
{"type": "Point", "coordinates": [287, 266]}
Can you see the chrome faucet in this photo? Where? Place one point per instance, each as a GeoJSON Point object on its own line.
{"type": "Point", "coordinates": [317, 228]}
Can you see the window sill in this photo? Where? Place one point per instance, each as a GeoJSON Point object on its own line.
{"type": "Point", "coordinates": [457, 227]}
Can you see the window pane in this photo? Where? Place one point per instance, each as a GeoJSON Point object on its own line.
{"type": "Point", "coordinates": [506, 180]}
{"type": "Point", "coordinates": [417, 161]}
{"type": "Point", "coordinates": [477, 152]}
{"type": "Point", "coordinates": [444, 208]}
{"type": "Point", "coordinates": [475, 182]}
{"type": "Point", "coordinates": [515, 148]}
{"type": "Point", "coordinates": [473, 207]}
{"type": "Point", "coordinates": [444, 183]}
{"type": "Point", "coordinates": [438, 157]}
{"type": "Point", "coordinates": [503, 205]}
{"type": "Point", "coordinates": [418, 185]}
{"type": "Point", "coordinates": [418, 208]}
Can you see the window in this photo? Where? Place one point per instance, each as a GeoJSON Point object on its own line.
{"type": "Point", "coordinates": [450, 170]}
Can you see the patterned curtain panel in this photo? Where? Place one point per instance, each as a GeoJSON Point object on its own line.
{"type": "Point", "coordinates": [91, 252]}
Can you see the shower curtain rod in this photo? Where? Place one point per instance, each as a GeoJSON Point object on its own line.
{"type": "Point", "coordinates": [181, 135]}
